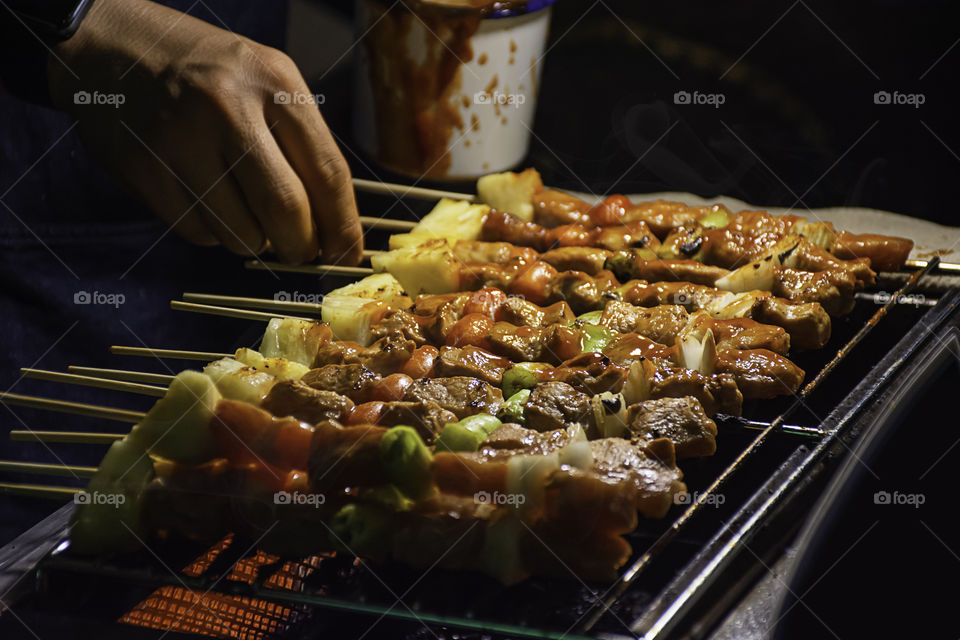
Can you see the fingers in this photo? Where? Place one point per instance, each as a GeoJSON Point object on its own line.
{"type": "Point", "coordinates": [274, 194]}
{"type": "Point", "coordinates": [311, 149]}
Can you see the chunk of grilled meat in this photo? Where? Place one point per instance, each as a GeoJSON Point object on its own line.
{"type": "Point", "coordinates": [352, 380]}
{"type": "Point", "coordinates": [628, 265]}
{"type": "Point", "coordinates": [661, 323]}
{"type": "Point", "coordinates": [680, 420]}
{"type": "Point", "coordinates": [886, 253]}
{"type": "Point", "coordinates": [557, 405]}
{"type": "Point", "coordinates": [833, 289]}
{"type": "Point", "coordinates": [303, 402]}
{"type": "Point", "coordinates": [402, 321]}
{"type": "Point", "coordinates": [500, 226]}
{"type": "Point", "coordinates": [524, 313]}
{"type": "Point", "coordinates": [552, 344]}
{"type": "Point", "coordinates": [760, 373]}
{"type": "Point", "coordinates": [428, 418]}
{"type": "Point", "coordinates": [807, 323]}
{"type": "Point", "coordinates": [743, 333]}
{"type": "Point", "coordinates": [385, 356]}
{"type": "Point", "coordinates": [624, 475]}
{"type": "Point", "coordinates": [462, 395]}
{"type": "Point", "coordinates": [471, 361]}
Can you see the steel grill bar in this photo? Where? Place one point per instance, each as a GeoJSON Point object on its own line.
{"type": "Point", "coordinates": [627, 578]}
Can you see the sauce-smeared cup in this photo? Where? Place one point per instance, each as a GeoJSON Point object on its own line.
{"type": "Point", "coordinates": [446, 89]}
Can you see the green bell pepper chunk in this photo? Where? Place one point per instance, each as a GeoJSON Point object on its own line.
{"type": "Point", "coordinates": [591, 317]}
{"type": "Point", "coordinates": [522, 375]}
{"type": "Point", "coordinates": [468, 434]}
{"type": "Point", "coordinates": [595, 338]}
{"type": "Point", "coordinates": [361, 529]}
{"type": "Point", "coordinates": [407, 461]}
{"type": "Point", "coordinates": [513, 409]}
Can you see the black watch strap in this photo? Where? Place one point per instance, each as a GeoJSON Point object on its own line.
{"type": "Point", "coordinates": [28, 31]}
{"type": "Point", "coordinates": [52, 21]}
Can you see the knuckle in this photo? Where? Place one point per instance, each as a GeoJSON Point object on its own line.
{"type": "Point", "coordinates": [279, 65]}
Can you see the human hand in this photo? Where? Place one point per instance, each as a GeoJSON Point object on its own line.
{"type": "Point", "coordinates": [194, 120]}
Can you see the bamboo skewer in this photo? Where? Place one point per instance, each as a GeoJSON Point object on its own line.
{"type": "Point", "coordinates": [178, 354]}
{"type": "Point", "coordinates": [37, 490]}
{"type": "Point", "coordinates": [256, 303]}
{"type": "Point", "coordinates": [314, 269]}
{"type": "Point", "coordinates": [77, 408]}
{"type": "Point", "coordinates": [90, 381]}
{"type": "Point", "coordinates": [123, 374]}
{"type": "Point", "coordinates": [406, 191]}
{"type": "Point", "coordinates": [72, 437]}
{"type": "Point", "coordinates": [47, 469]}
{"type": "Point", "coordinates": [229, 312]}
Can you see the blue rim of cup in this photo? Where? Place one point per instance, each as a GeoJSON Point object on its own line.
{"type": "Point", "coordinates": [513, 10]}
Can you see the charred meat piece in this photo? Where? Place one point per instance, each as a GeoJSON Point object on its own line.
{"type": "Point", "coordinates": [744, 333]}
{"type": "Point", "coordinates": [385, 356]}
{"type": "Point", "coordinates": [886, 253]}
{"type": "Point", "coordinates": [717, 393]}
{"type": "Point", "coordinates": [526, 314]}
{"type": "Point", "coordinates": [402, 321]}
{"type": "Point", "coordinates": [627, 348]}
{"type": "Point", "coordinates": [345, 457]}
{"type": "Point", "coordinates": [760, 373]}
{"type": "Point", "coordinates": [680, 420]}
{"type": "Point", "coordinates": [553, 344]}
{"type": "Point", "coordinates": [587, 259]}
{"type": "Point", "coordinates": [508, 228]}
{"type": "Point", "coordinates": [557, 405]}
{"type": "Point", "coordinates": [661, 323]}
{"type": "Point", "coordinates": [807, 323]}
{"type": "Point", "coordinates": [833, 288]}
{"type": "Point", "coordinates": [553, 208]}
{"type": "Point", "coordinates": [650, 469]}
{"type": "Point", "coordinates": [428, 418]}
{"type": "Point", "coordinates": [303, 402]}
{"type": "Point", "coordinates": [631, 264]}
{"type": "Point", "coordinates": [462, 395]}
{"type": "Point", "coordinates": [352, 380]}
{"type": "Point", "coordinates": [580, 290]}
{"type": "Point", "coordinates": [471, 361]}
{"type": "Point", "coordinates": [591, 373]}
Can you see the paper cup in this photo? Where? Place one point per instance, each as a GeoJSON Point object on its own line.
{"type": "Point", "coordinates": [448, 93]}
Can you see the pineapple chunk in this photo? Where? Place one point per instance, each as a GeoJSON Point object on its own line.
{"type": "Point", "coordinates": [428, 268]}
{"type": "Point", "coordinates": [281, 368]}
{"type": "Point", "coordinates": [379, 286]}
{"type": "Point", "coordinates": [450, 219]}
{"type": "Point", "coordinates": [297, 340]}
{"type": "Point", "coordinates": [511, 192]}
{"type": "Point", "coordinates": [351, 318]}
{"type": "Point", "coordinates": [178, 426]}
{"type": "Point", "coordinates": [239, 382]}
